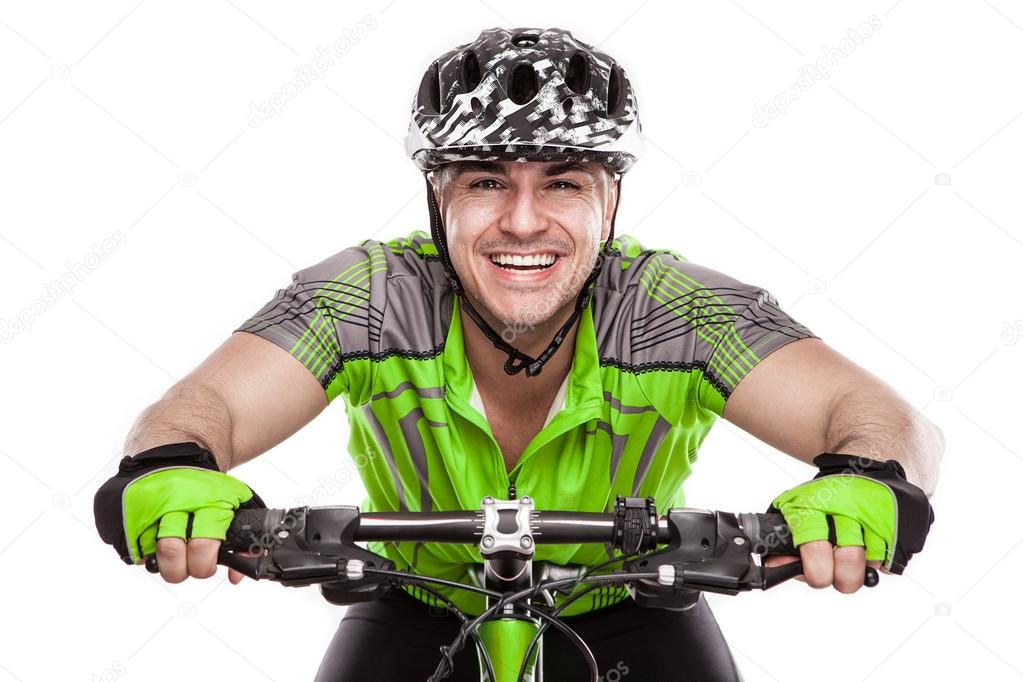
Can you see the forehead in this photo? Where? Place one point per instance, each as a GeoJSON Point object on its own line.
{"type": "Point", "coordinates": [522, 168]}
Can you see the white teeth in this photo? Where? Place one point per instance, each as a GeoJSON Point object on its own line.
{"type": "Point", "coordinates": [532, 260]}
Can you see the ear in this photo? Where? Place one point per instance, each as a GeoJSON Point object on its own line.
{"type": "Point", "coordinates": [434, 177]}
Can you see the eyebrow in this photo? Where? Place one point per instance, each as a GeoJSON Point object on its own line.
{"type": "Point", "coordinates": [566, 167]}
{"type": "Point", "coordinates": [496, 168]}
{"type": "Point", "coordinates": [477, 167]}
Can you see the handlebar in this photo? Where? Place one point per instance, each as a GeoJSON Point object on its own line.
{"type": "Point", "coordinates": [768, 531]}
{"type": "Point", "coordinates": [315, 545]}
{"type": "Point", "coordinates": [667, 561]}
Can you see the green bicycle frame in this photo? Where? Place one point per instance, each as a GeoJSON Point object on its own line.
{"type": "Point", "coordinates": [506, 641]}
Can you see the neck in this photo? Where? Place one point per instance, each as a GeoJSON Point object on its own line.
{"type": "Point", "coordinates": [487, 362]}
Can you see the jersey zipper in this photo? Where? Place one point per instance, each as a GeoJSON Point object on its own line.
{"type": "Point", "coordinates": [562, 423]}
{"type": "Point", "coordinates": [470, 413]}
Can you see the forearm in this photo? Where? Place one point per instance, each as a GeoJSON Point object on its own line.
{"type": "Point", "coordinates": [188, 412]}
{"type": "Point", "coordinates": [875, 422]}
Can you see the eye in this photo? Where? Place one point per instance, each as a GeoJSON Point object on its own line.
{"type": "Point", "coordinates": [563, 185]}
{"type": "Point", "coordinates": [486, 184]}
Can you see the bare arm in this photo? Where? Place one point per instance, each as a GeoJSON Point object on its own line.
{"type": "Point", "coordinates": [245, 398]}
{"type": "Point", "coordinates": [806, 398]}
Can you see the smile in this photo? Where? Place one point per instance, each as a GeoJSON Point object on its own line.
{"type": "Point", "coordinates": [523, 262]}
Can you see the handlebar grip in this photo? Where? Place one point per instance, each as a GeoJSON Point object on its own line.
{"type": "Point", "coordinates": [247, 533]}
{"type": "Point", "coordinates": [769, 534]}
{"type": "Point", "coordinates": [249, 528]}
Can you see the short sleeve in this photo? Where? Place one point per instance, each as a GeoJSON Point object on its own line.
{"type": "Point", "coordinates": [324, 316]}
{"type": "Point", "coordinates": [751, 331]}
{"type": "Point", "coordinates": [694, 331]}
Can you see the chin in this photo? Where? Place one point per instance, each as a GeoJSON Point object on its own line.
{"type": "Point", "coordinates": [525, 312]}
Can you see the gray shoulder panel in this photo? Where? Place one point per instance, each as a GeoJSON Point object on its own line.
{"type": "Point", "coordinates": [373, 301]}
{"type": "Point", "coordinates": [656, 310]}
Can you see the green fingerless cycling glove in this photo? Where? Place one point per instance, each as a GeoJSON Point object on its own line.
{"type": "Point", "coordinates": [859, 501]}
{"type": "Point", "coordinates": [171, 491]}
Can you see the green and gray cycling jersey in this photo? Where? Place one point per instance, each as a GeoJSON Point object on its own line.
{"type": "Point", "coordinates": [660, 348]}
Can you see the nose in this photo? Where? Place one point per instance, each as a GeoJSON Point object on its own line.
{"type": "Point", "coordinates": [524, 217]}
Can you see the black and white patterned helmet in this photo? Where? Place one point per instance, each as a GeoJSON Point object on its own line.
{"type": "Point", "coordinates": [527, 95]}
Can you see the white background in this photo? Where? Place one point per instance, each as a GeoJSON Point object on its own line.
{"type": "Point", "coordinates": [881, 209]}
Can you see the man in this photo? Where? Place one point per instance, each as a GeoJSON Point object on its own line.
{"type": "Point", "coordinates": [523, 345]}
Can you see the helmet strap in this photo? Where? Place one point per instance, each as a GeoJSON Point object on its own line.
{"type": "Point", "coordinates": [517, 360]}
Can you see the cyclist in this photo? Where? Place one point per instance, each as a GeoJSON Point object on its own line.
{"type": "Point", "coordinates": [522, 344]}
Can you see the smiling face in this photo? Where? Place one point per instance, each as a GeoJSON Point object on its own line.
{"type": "Point", "coordinates": [523, 237]}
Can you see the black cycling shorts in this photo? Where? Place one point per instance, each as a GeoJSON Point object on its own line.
{"type": "Point", "coordinates": [398, 637]}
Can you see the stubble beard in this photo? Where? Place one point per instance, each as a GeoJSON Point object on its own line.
{"type": "Point", "coordinates": [543, 308]}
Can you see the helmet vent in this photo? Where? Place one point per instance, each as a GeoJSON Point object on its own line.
{"type": "Point", "coordinates": [577, 77]}
{"type": "Point", "coordinates": [525, 40]}
{"type": "Point", "coordinates": [566, 106]}
{"type": "Point", "coordinates": [470, 71]}
{"type": "Point", "coordinates": [429, 91]}
{"type": "Point", "coordinates": [477, 107]}
{"type": "Point", "coordinates": [614, 89]}
{"type": "Point", "coordinates": [522, 86]}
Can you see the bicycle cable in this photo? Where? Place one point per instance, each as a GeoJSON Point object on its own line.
{"type": "Point", "coordinates": [571, 599]}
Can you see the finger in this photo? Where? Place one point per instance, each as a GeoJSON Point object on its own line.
{"type": "Point", "coordinates": [170, 556]}
{"type": "Point", "coordinates": [818, 563]}
{"type": "Point", "coordinates": [850, 565]}
{"type": "Point", "coordinates": [147, 543]}
{"type": "Point", "coordinates": [202, 557]}
{"type": "Point", "coordinates": [211, 522]}
{"type": "Point", "coordinates": [876, 545]}
{"type": "Point", "coordinates": [174, 525]}
{"type": "Point", "coordinates": [235, 576]}
{"type": "Point", "coordinates": [847, 531]}
{"type": "Point", "coordinates": [806, 525]}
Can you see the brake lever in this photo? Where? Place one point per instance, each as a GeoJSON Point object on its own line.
{"type": "Point", "coordinates": [297, 547]}
{"type": "Point", "coordinates": [709, 552]}
{"type": "Point", "coordinates": [255, 567]}
{"type": "Point", "coordinates": [775, 575]}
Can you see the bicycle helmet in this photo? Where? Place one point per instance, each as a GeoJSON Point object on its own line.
{"type": "Point", "coordinates": [523, 94]}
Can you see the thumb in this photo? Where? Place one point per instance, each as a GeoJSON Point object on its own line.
{"type": "Point", "coordinates": [234, 576]}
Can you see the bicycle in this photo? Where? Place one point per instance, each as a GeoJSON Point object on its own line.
{"type": "Point", "coordinates": [704, 551]}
